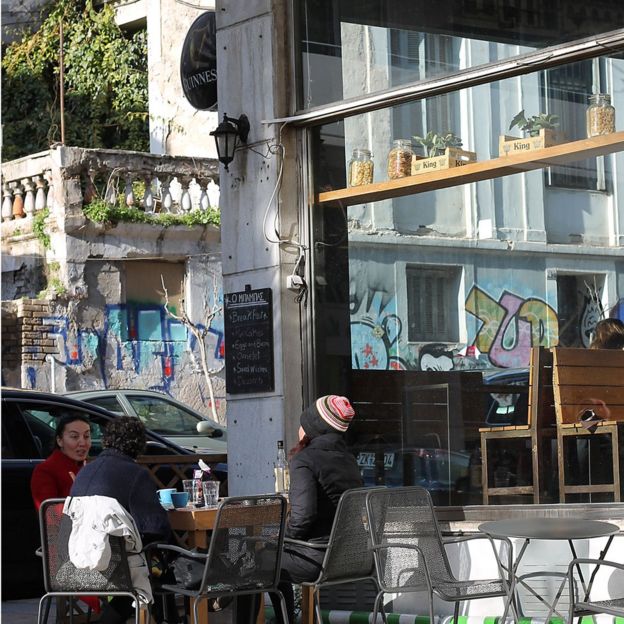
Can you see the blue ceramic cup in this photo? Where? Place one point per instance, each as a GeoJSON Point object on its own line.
{"type": "Point", "coordinates": [179, 499]}
{"type": "Point", "coordinates": [165, 497]}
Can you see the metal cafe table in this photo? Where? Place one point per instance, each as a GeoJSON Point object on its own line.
{"type": "Point", "coordinates": [547, 528]}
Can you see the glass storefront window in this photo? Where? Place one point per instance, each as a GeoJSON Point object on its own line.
{"type": "Point", "coordinates": [349, 48]}
{"type": "Point", "coordinates": [426, 306]}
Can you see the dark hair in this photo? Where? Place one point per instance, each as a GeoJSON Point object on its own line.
{"type": "Point", "coordinates": [125, 434]}
{"type": "Point", "coordinates": [608, 334]}
{"type": "Point", "coordinates": [299, 446]}
{"type": "Point", "coordinates": [65, 420]}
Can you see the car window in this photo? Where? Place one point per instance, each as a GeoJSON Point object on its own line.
{"type": "Point", "coordinates": [109, 403]}
{"type": "Point", "coordinates": [163, 417]}
{"type": "Point", "coordinates": [42, 421]}
{"type": "Point", "coordinates": [17, 440]}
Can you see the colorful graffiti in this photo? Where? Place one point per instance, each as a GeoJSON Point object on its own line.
{"type": "Point", "coordinates": [134, 338]}
{"type": "Point", "coordinates": [511, 326]}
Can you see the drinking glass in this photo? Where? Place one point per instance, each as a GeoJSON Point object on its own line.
{"type": "Point", "coordinates": [193, 487]}
{"type": "Point", "coordinates": [211, 493]}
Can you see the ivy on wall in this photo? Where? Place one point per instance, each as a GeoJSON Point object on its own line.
{"type": "Point", "coordinates": [105, 83]}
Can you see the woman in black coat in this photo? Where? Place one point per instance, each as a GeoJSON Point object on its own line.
{"type": "Point", "coordinates": [321, 469]}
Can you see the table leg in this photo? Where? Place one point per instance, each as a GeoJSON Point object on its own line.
{"type": "Point", "coordinates": [307, 604]}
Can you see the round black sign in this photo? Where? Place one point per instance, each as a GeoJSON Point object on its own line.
{"type": "Point", "coordinates": [198, 64]}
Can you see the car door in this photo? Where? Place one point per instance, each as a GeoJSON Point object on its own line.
{"type": "Point", "coordinates": [28, 429]}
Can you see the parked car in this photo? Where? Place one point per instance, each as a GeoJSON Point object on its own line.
{"type": "Point", "coordinates": [435, 469]}
{"type": "Point", "coordinates": [504, 408]}
{"type": "Point", "coordinates": [28, 423]}
{"type": "Point", "coordinates": [163, 415]}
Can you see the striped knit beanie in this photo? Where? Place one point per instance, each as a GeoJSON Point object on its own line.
{"type": "Point", "coordinates": [328, 414]}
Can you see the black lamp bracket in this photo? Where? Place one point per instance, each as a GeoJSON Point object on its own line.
{"type": "Point", "coordinates": [242, 125]}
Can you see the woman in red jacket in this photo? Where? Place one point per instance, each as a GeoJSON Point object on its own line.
{"type": "Point", "coordinates": [55, 476]}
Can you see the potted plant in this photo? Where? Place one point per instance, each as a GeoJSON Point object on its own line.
{"type": "Point", "coordinates": [531, 126]}
{"type": "Point", "coordinates": [434, 144]}
{"type": "Point", "coordinates": [539, 132]}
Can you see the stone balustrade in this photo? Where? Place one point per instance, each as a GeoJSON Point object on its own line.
{"type": "Point", "coordinates": [56, 178]}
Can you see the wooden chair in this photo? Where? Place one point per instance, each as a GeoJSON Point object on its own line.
{"type": "Point", "coordinates": [539, 430]}
{"type": "Point", "coordinates": [586, 380]}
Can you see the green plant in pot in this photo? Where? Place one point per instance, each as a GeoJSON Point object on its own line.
{"type": "Point", "coordinates": [532, 125]}
{"type": "Point", "coordinates": [434, 144]}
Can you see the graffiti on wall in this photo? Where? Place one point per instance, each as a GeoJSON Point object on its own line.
{"type": "Point", "coordinates": [135, 338]}
{"type": "Point", "coordinates": [508, 327]}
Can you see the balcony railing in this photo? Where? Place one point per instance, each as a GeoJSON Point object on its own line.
{"type": "Point", "coordinates": [66, 178]}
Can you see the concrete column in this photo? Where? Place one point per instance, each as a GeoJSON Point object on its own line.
{"type": "Point", "coordinates": [255, 78]}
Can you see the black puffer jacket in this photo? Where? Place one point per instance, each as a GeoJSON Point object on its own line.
{"type": "Point", "coordinates": [319, 474]}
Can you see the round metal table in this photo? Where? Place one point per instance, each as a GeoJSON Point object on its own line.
{"type": "Point", "coordinates": [549, 528]}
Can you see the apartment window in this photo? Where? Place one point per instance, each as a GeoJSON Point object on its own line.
{"type": "Point", "coordinates": [565, 91]}
{"type": "Point", "coordinates": [432, 304]}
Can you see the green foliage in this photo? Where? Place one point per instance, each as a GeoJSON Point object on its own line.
{"type": "Point", "coordinates": [533, 125]}
{"type": "Point", "coordinates": [99, 211]}
{"type": "Point", "coordinates": [39, 227]}
{"type": "Point", "coordinates": [434, 144]}
{"type": "Point", "coordinates": [105, 83]}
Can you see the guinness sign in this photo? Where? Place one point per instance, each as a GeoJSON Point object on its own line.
{"type": "Point", "coordinates": [198, 64]}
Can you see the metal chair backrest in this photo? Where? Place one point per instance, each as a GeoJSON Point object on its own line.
{"type": "Point", "coordinates": [59, 574]}
{"type": "Point", "coordinates": [348, 555]}
{"type": "Point", "coordinates": [246, 545]}
{"type": "Point", "coordinates": [405, 515]}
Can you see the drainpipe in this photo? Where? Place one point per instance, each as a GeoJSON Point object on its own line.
{"type": "Point", "coordinates": [50, 358]}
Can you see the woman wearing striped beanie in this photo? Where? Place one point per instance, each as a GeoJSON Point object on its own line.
{"type": "Point", "coordinates": [321, 469]}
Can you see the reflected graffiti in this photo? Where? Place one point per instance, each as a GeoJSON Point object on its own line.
{"type": "Point", "coordinates": [511, 326]}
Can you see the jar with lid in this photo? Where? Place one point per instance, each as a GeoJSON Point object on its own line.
{"type": "Point", "coordinates": [360, 167]}
{"type": "Point", "coordinates": [600, 115]}
{"type": "Point", "coordinates": [400, 159]}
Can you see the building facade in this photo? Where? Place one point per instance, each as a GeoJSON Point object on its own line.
{"type": "Point", "coordinates": [401, 286]}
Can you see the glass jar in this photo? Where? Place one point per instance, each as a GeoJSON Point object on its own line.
{"type": "Point", "coordinates": [600, 115]}
{"type": "Point", "coordinates": [400, 159]}
{"type": "Point", "coordinates": [360, 167]}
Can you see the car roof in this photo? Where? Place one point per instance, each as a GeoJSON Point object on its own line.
{"type": "Point", "coordinates": [138, 392]}
{"type": "Point", "coordinates": [61, 399]}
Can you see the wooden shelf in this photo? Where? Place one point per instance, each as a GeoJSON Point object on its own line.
{"type": "Point", "coordinates": [475, 172]}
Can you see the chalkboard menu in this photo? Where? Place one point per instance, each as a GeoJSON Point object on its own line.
{"type": "Point", "coordinates": [249, 341]}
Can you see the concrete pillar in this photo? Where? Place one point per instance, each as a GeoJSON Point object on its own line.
{"type": "Point", "coordinates": [255, 78]}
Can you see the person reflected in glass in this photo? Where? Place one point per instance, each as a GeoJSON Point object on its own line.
{"type": "Point", "coordinates": [608, 334]}
{"type": "Point", "coordinates": [54, 477]}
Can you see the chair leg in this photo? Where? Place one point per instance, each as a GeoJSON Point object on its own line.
{"type": "Point", "coordinates": [283, 607]}
{"type": "Point", "coordinates": [456, 612]}
{"type": "Point", "coordinates": [431, 615]}
{"type": "Point", "coordinates": [47, 610]}
{"type": "Point", "coordinates": [317, 607]}
{"type": "Point", "coordinates": [378, 598]}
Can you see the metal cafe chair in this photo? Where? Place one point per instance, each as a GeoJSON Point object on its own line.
{"type": "Point", "coordinates": [580, 606]}
{"type": "Point", "coordinates": [62, 579]}
{"type": "Point", "coordinates": [243, 556]}
{"type": "Point", "coordinates": [348, 557]}
{"type": "Point", "coordinates": [410, 554]}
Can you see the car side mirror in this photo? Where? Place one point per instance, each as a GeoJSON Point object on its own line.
{"type": "Point", "coordinates": [205, 428]}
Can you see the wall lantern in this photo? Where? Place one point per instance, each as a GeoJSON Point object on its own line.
{"type": "Point", "coordinates": [227, 135]}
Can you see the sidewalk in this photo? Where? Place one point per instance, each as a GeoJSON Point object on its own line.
{"type": "Point", "coordinates": [22, 611]}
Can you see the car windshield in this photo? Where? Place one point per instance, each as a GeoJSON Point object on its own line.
{"type": "Point", "coordinates": [164, 417]}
